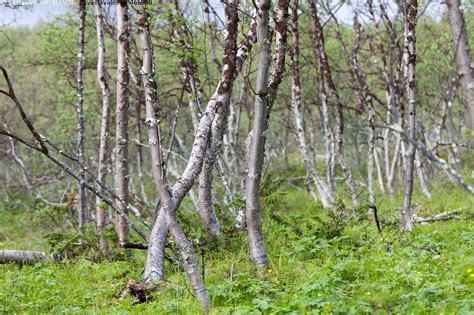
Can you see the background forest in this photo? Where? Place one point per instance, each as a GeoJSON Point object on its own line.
{"type": "Point", "coordinates": [306, 157]}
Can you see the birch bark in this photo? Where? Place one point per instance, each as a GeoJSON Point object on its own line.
{"type": "Point", "coordinates": [168, 211]}
{"type": "Point", "coordinates": [81, 195]}
{"type": "Point", "coordinates": [121, 133]}
{"type": "Point", "coordinates": [104, 125]}
{"type": "Point", "coordinates": [411, 9]}
{"type": "Point", "coordinates": [366, 99]}
{"type": "Point", "coordinates": [463, 54]}
{"type": "Point", "coordinates": [171, 199]}
{"type": "Point", "coordinates": [266, 88]}
{"type": "Point", "coordinates": [337, 143]}
{"type": "Point", "coordinates": [321, 187]}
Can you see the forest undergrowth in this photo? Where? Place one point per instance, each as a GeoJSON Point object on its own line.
{"type": "Point", "coordinates": [321, 262]}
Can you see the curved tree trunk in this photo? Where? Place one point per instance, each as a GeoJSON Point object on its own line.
{"type": "Point", "coordinates": [266, 89]}
{"type": "Point", "coordinates": [256, 152]}
{"type": "Point", "coordinates": [171, 199]}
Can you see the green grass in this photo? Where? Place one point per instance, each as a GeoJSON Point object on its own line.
{"type": "Point", "coordinates": [317, 266]}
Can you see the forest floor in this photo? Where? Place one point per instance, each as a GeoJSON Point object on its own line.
{"type": "Point", "coordinates": [319, 264]}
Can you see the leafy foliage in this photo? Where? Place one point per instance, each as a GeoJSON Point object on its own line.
{"type": "Point", "coordinates": [319, 264]}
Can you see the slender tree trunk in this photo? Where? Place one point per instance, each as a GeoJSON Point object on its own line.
{"type": "Point", "coordinates": [366, 99]}
{"type": "Point", "coordinates": [420, 171]}
{"type": "Point", "coordinates": [410, 59]}
{"type": "Point", "coordinates": [121, 133]}
{"type": "Point", "coordinates": [104, 126]}
{"type": "Point", "coordinates": [81, 195]}
{"type": "Point", "coordinates": [255, 162]}
{"type": "Point", "coordinates": [337, 149]}
{"type": "Point", "coordinates": [371, 153]}
{"type": "Point", "coordinates": [328, 140]}
{"type": "Point", "coordinates": [211, 29]}
{"type": "Point", "coordinates": [392, 90]}
{"type": "Point", "coordinates": [463, 54]}
{"type": "Point", "coordinates": [266, 87]}
{"type": "Point", "coordinates": [321, 187]}
{"type": "Point", "coordinates": [379, 171]}
{"type": "Point", "coordinates": [157, 241]}
{"type": "Point", "coordinates": [154, 265]}
{"type": "Point", "coordinates": [172, 199]}
{"type": "Point", "coordinates": [138, 132]}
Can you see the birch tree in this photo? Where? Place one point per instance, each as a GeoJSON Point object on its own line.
{"type": "Point", "coordinates": [366, 99]}
{"type": "Point", "coordinates": [121, 132]}
{"type": "Point", "coordinates": [322, 188]}
{"type": "Point", "coordinates": [411, 9]}
{"type": "Point", "coordinates": [463, 54]}
{"type": "Point", "coordinates": [81, 195]}
{"type": "Point", "coordinates": [256, 151]}
{"type": "Point", "coordinates": [266, 88]}
{"type": "Point", "coordinates": [336, 147]}
{"type": "Point", "coordinates": [104, 124]}
{"type": "Point", "coordinates": [171, 199]}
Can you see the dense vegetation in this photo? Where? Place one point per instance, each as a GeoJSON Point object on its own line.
{"type": "Point", "coordinates": [322, 264]}
{"type": "Point", "coordinates": [354, 255]}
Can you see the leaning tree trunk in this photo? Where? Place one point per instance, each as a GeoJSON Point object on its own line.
{"type": "Point", "coordinates": [41, 145]}
{"type": "Point", "coordinates": [168, 212]}
{"type": "Point", "coordinates": [139, 147]}
{"type": "Point", "coordinates": [463, 54]}
{"type": "Point", "coordinates": [157, 241]}
{"type": "Point", "coordinates": [104, 125]}
{"type": "Point", "coordinates": [121, 133]}
{"type": "Point", "coordinates": [410, 60]}
{"type": "Point", "coordinates": [81, 195]}
{"type": "Point", "coordinates": [171, 199]}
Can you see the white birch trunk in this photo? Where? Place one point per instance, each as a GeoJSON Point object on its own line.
{"type": "Point", "coordinates": [104, 125]}
{"type": "Point", "coordinates": [263, 103]}
{"type": "Point", "coordinates": [121, 133]}
{"type": "Point", "coordinates": [463, 54]}
{"type": "Point", "coordinates": [26, 256]}
{"type": "Point", "coordinates": [81, 195]}
{"type": "Point", "coordinates": [410, 62]}
{"type": "Point", "coordinates": [321, 187]}
{"type": "Point", "coordinates": [420, 171]}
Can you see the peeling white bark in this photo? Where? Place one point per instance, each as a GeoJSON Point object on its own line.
{"type": "Point", "coordinates": [26, 256]}
{"type": "Point", "coordinates": [410, 64]}
{"type": "Point", "coordinates": [121, 132]}
{"type": "Point", "coordinates": [321, 187]}
{"type": "Point", "coordinates": [81, 195]}
{"type": "Point", "coordinates": [104, 125]}
{"type": "Point", "coordinates": [266, 88]}
{"type": "Point", "coordinates": [463, 54]}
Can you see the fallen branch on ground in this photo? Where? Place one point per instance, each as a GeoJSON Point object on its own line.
{"type": "Point", "coordinates": [439, 217]}
{"type": "Point", "coordinates": [26, 256]}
